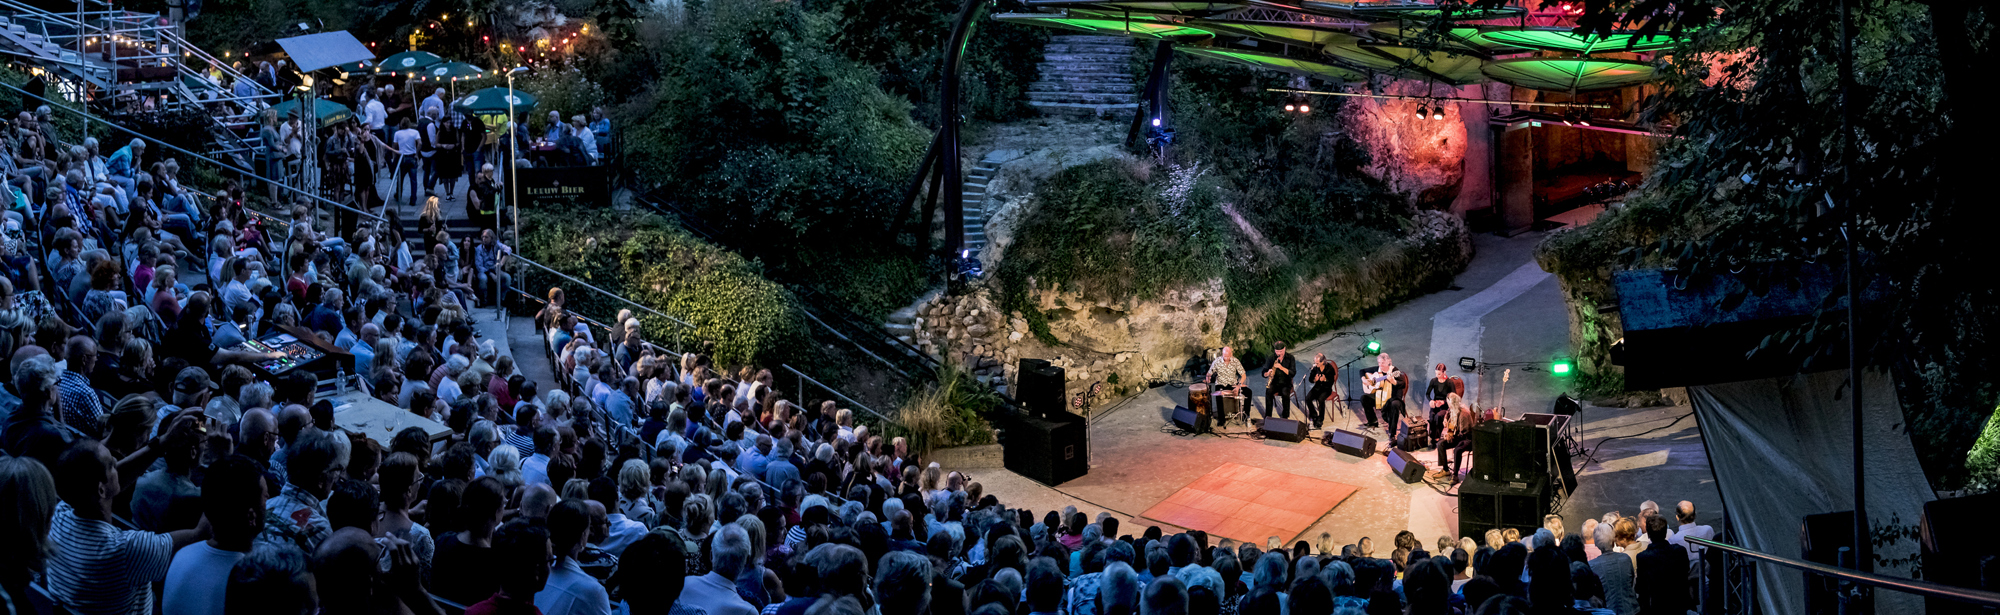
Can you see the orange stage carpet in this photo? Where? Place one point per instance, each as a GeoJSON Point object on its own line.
{"type": "Point", "coordinates": [1251, 504]}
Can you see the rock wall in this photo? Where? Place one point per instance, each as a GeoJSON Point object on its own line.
{"type": "Point", "coordinates": [1124, 343]}
{"type": "Point", "coordinates": [1421, 158]}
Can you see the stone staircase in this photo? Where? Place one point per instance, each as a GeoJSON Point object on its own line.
{"type": "Point", "coordinates": [973, 201]}
{"type": "Point", "coordinates": [1084, 75]}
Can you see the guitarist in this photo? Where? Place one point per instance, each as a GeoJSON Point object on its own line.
{"type": "Point", "coordinates": [1278, 382]}
{"type": "Point", "coordinates": [1458, 424]}
{"type": "Point", "coordinates": [1377, 381]}
{"type": "Point", "coordinates": [1439, 390]}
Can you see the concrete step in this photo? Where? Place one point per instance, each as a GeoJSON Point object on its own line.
{"type": "Point", "coordinates": [1083, 110]}
{"type": "Point", "coordinates": [1083, 97]}
{"type": "Point", "coordinates": [1089, 39]}
{"type": "Point", "coordinates": [1106, 87]}
{"type": "Point", "coordinates": [900, 329]}
{"type": "Point", "coordinates": [906, 316]}
{"type": "Point", "coordinates": [1064, 49]}
{"type": "Point", "coordinates": [1121, 78]}
{"type": "Point", "coordinates": [1049, 56]}
{"type": "Point", "coordinates": [1109, 68]}
{"type": "Point", "coordinates": [981, 186]}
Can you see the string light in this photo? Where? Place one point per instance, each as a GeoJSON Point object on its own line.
{"type": "Point", "coordinates": [1291, 108]}
{"type": "Point", "coordinates": [1305, 109]}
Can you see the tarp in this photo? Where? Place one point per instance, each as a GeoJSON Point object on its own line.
{"type": "Point", "coordinates": [316, 51]}
{"type": "Point", "coordinates": [1781, 449]}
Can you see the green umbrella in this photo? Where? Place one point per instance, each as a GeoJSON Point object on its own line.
{"type": "Point", "coordinates": [410, 61]}
{"type": "Point", "coordinates": [451, 71]}
{"type": "Point", "coordinates": [356, 66]}
{"type": "Point", "coordinates": [328, 112]}
{"type": "Point", "coordinates": [494, 100]}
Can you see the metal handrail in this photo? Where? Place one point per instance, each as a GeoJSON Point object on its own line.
{"type": "Point", "coordinates": [850, 401]}
{"type": "Point", "coordinates": [613, 295]}
{"type": "Point", "coordinates": [1912, 586]}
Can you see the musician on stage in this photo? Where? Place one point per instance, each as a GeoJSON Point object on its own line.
{"type": "Point", "coordinates": [1322, 378]}
{"type": "Point", "coordinates": [1278, 382]}
{"type": "Point", "coordinates": [1459, 421]}
{"type": "Point", "coordinates": [1383, 388]}
{"type": "Point", "coordinates": [1439, 389]}
{"type": "Point", "coordinates": [1227, 376]}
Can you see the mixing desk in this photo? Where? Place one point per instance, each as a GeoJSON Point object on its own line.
{"type": "Point", "coordinates": [297, 353]}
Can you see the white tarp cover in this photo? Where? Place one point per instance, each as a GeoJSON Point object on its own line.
{"type": "Point", "coordinates": [1781, 449]}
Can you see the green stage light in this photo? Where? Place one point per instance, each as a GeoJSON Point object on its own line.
{"type": "Point", "coordinates": [1372, 347]}
{"type": "Point", "coordinates": [1563, 366]}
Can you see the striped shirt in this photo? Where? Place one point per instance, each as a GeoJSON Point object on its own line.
{"type": "Point", "coordinates": [98, 568]}
{"type": "Point", "coordinates": [522, 442]}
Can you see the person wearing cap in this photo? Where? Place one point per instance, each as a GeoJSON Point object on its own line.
{"type": "Point", "coordinates": [1439, 390]}
{"type": "Point", "coordinates": [192, 388]}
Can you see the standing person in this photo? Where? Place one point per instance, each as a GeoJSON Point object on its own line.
{"type": "Point", "coordinates": [96, 567]}
{"type": "Point", "coordinates": [428, 123]}
{"type": "Point", "coordinates": [447, 138]}
{"type": "Point", "coordinates": [376, 123]}
{"type": "Point", "coordinates": [1439, 389]}
{"type": "Point", "coordinates": [273, 148]}
{"type": "Point", "coordinates": [482, 199]}
{"type": "Point", "coordinates": [1321, 379]}
{"type": "Point", "coordinates": [365, 153]}
{"type": "Point", "coordinates": [232, 496]}
{"type": "Point", "coordinates": [1662, 578]}
{"type": "Point", "coordinates": [1278, 382]}
{"type": "Point", "coordinates": [408, 161]}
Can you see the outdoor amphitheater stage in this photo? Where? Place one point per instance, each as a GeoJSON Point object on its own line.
{"type": "Point", "coordinates": [1147, 473]}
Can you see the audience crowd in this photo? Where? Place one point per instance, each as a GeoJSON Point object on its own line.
{"type": "Point", "coordinates": [152, 466]}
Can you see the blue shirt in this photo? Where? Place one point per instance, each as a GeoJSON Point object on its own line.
{"type": "Point", "coordinates": [198, 579]}
{"type": "Point", "coordinates": [82, 408]}
{"type": "Point", "coordinates": [120, 162]}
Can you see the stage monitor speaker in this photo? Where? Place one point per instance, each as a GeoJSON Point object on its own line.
{"type": "Point", "coordinates": [1040, 386]}
{"type": "Point", "coordinates": [1558, 437]}
{"type": "Point", "coordinates": [1406, 465]}
{"type": "Point", "coordinates": [1350, 442]}
{"type": "Point", "coordinates": [1947, 559]}
{"type": "Point", "coordinates": [1486, 451]}
{"type": "Point", "coordinates": [1049, 450]}
{"type": "Point", "coordinates": [1283, 429]}
{"type": "Point", "coordinates": [1524, 452]}
{"type": "Point", "coordinates": [1190, 421]}
{"type": "Point", "coordinates": [1485, 505]}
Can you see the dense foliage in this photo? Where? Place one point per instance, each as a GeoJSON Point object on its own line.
{"type": "Point", "coordinates": [1761, 167]}
{"type": "Point", "coordinates": [746, 317]}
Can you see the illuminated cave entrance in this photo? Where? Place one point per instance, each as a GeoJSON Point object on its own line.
{"type": "Point", "coordinates": [1549, 114]}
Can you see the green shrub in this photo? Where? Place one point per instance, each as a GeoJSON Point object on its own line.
{"type": "Point", "coordinates": [950, 412]}
{"type": "Point", "coordinates": [746, 318]}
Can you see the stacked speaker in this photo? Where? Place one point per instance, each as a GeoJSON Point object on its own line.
{"type": "Point", "coordinates": [1042, 440]}
{"type": "Point", "coordinates": [1511, 483]}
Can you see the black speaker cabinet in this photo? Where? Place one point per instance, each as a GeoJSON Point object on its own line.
{"type": "Point", "coordinates": [1557, 437]}
{"type": "Point", "coordinates": [1486, 451]}
{"type": "Point", "coordinates": [1050, 450]}
{"type": "Point", "coordinates": [1405, 465]}
{"type": "Point", "coordinates": [1040, 386]}
{"type": "Point", "coordinates": [1351, 442]}
{"type": "Point", "coordinates": [1821, 537]}
{"type": "Point", "coordinates": [1283, 429]}
{"type": "Point", "coordinates": [1950, 559]}
{"type": "Point", "coordinates": [1190, 421]}
{"type": "Point", "coordinates": [1486, 505]}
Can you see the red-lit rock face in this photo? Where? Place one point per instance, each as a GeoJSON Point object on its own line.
{"type": "Point", "coordinates": [1421, 158]}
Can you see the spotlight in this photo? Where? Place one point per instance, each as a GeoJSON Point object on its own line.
{"type": "Point", "coordinates": [1156, 122]}
{"type": "Point", "coordinates": [1438, 113]}
{"type": "Point", "coordinates": [1563, 366]}
{"type": "Point", "coordinates": [1372, 347]}
{"type": "Point", "coordinates": [1583, 122]}
{"type": "Point", "coordinates": [1305, 109]}
{"type": "Point", "coordinates": [1423, 112]}
{"type": "Point", "coordinates": [1291, 108]}
{"type": "Point", "coordinates": [1468, 363]}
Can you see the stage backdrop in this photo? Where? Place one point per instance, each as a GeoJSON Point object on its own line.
{"type": "Point", "coordinates": [1781, 449]}
{"type": "Point", "coordinates": [566, 187]}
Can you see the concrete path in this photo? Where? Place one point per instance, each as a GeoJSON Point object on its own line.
{"type": "Point", "coordinates": [1506, 310]}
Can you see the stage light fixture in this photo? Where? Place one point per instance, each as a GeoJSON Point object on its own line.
{"type": "Point", "coordinates": [1438, 113]}
{"type": "Point", "coordinates": [1156, 122]}
{"type": "Point", "coordinates": [1563, 366]}
{"type": "Point", "coordinates": [1372, 347]}
{"type": "Point", "coordinates": [1423, 112]}
{"type": "Point", "coordinates": [1291, 108]}
{"type": "Point", "coordinates": [1468, 363]}
{"type": "Point", "coordinates": [1305, 109]}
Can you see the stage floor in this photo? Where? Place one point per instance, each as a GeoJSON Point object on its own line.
{"type": "Point", "coordinates": [1138, 461]}
{"type": "Point", "coordinates": [1251, 504]}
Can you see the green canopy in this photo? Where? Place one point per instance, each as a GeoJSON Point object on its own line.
{"type": "Point", "coordinates": [1109, 26]}
{"type": "Point", "coordinates": [494, 100]}
{"type": "Point", "coordinates": [1565, 40]}
{"type": "Point", "coordinates": [356, 66]}
{"type": "Point", "coordinates": [410, 61]}
{"type": "Point", "coordinates": [1569, 74]}
{"type": "Point", "coordinates": [1392, 11]}
{"type": "Point", "coordinates": [1464, 38]}
{"type": "Point", "coordinates": [1352, 53]}
{"type": "Point", "coordinates": [451, 71]}
{"type": "Point", "coordinates": [1444, 66]}
{"type": "Point", "coordinates": [1296, 66]}
{"type": "Point", "coordinates": [1291, 33]}
{"type": "Point", "coordinates": [1164, 7]}
{"type": "Point", "coordinates": [328, 112]}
